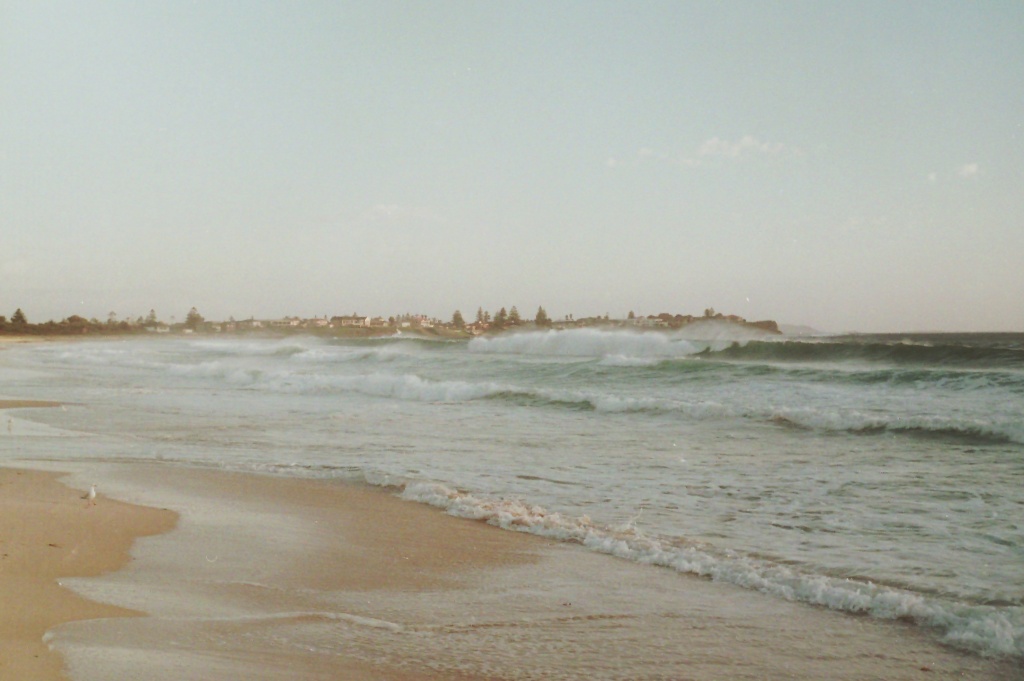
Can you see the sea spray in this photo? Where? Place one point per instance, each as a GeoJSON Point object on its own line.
{"type": "Point", "coordinates": [588, 343]}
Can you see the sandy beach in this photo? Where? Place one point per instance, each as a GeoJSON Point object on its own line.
{"type": "Point", "coordinates": [27, 404]}
{"type": "Point", "coordinates": [282, 578]}
{"type": "Point", "coordinates": [47, 532]}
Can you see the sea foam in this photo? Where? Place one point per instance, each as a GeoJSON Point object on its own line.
{"type": "Point", "coordinates": [981, 629]}
{"type": "Point", "coordinates": [588, 343]}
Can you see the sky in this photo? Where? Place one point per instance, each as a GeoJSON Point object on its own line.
{"type": "Point", "coordinates": [848, 166]}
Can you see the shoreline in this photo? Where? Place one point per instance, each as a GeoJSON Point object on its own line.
{"type": "Point", "coordinates": [47, 532]}
{"type": "Point", "coordinates": [280, 578]}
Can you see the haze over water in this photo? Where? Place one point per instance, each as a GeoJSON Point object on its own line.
{"type": "Point", "coordinates": [875, 475]}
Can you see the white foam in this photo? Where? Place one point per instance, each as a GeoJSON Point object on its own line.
{"type": "Point", "coordinates": [854, 420]}
{"type": "Point", "coordinates": [401, 386]}
{"type": "Point", "coordinates": [281, 348]}
{"type": "Point", "coordinates": [981, 629]}
{"type": "Point", "coordinates": [624, 361]}
{"type": "Point", "coordinates": [617, 345]}
{"type": "Point", "coordinates": [14, 427]}
{"type": "Point", "coordinates": [588, 343]}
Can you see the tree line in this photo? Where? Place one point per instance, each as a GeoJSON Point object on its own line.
{"type": "Point", "coordinates": [502, 319]}
{"type": "Point", "coordinates": [18, 324]}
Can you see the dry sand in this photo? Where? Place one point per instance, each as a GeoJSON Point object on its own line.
{"type": "Point", "coordinates": [275, 578]}
{"type": "Point", "coordinates": [48, 532]}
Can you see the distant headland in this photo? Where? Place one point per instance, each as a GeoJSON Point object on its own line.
{"type": "Point", "coordinates": [355, 325]}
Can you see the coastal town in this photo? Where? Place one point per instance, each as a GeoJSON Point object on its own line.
{"type": "Point", "coordinates": [356, 325]}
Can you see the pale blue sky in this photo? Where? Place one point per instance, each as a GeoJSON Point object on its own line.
{"type": "Point", "coordinates": [847, 165]}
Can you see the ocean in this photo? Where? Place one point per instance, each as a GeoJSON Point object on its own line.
{"type": "Point", "coordinates": [872, 474]}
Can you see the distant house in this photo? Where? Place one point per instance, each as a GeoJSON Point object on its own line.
{"type": "Point", "coordinates": [422, 320]}
{"type": "Point", "coordinates": [351, 320]}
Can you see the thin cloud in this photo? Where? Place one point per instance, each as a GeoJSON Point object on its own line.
{"type": "Point", "coordinates": [641, 155]}
{"type": "Point", "coordinates": [968, 170]}
{"type": "Point", "coordinates": [718, 149]}
{"type": "Point", "coordinates": [712, 149]}
{"type": "Point", "coordinates": [748, 144]}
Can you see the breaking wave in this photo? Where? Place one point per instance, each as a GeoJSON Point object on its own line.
{"type": "Point", "coordinates": [590, 343]}
{"type": "Point", "coordinates": [895, 353]}
{"type": "Point", "coordinates": [409, 386]}
{"type": "Point", "coordinates": [727, 343]}
{"type": "Point", "coordinates": [988, 630]}
{"type": "Point", "coordinates": [859, 423]}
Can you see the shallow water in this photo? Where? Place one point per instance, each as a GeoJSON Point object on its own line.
{"type": "Point", "coordinates": [867, 473]}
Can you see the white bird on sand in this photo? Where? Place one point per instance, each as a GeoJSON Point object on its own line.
{"type": "Point", "coordinates": [90, 496]}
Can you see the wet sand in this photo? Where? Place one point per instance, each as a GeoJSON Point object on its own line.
{"type": "Point", "coordinates": [278, 578]}
{"type": "Point", "coordinates": [26, 404]}
{"type": "Point", "coordinates": [47, 532]}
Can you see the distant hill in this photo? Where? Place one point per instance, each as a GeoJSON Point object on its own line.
{"type": "Point", "coordinates": [798, 330]}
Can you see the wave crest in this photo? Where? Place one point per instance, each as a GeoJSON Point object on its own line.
{"type": "Point", "coordinates": [589, 343]}
{"type": "Point", "coordinates": [982, 629]}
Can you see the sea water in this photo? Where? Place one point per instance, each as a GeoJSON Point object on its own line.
{"type": "Point", "coordinates": [872, 474]}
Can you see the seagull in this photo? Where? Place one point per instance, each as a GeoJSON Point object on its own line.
{"type": "Point", "coordinates": [90, 496]}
